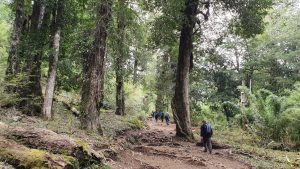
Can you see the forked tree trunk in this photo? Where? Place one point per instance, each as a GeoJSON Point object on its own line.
{"type": "Point", "coordinates": [13, 57]}
{"type": "Point", "coordinates": [53, 59]}
{"type": "Point", "coordinates": [94, 67]}
{"type": "Point", "coordinates": [180, 102]}
{"type": "Point", "coordinates": [120, 99]}
{"type": "Point", "coordinates": [31, 92]}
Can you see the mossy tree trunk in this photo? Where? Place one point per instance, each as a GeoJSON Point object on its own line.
{"type": "Point", "coordinates": [57, 18]}
{"type": "Point", "coordinates": [31, 91]}
{"type": "Point", "coordinates": [91, 89]}
{"type": "Point", "coordinates": [180, 102]}
{"type": "Point", "coordinates": [13, 57]}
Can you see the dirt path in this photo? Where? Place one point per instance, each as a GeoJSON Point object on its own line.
{"type": "Point", "coordinates": [157, 148]}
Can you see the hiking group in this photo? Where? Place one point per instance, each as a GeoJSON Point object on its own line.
{"type": "Point", "coordinates": [206, 130]}
{"type": "Point", "coordinates": [162, 116]}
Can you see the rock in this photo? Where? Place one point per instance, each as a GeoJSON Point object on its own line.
{"type": "Point", "coordinates": [110, 154]}
{"type": "Point", "coordinates": [196, 162]}
{"type": "Point", "coordinates": [4, 165]}
{"type": "Point", "coordinates": [16, 118]}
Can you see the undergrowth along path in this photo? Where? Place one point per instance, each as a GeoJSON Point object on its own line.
{"type": "Point", "coordinates": [156, 147]}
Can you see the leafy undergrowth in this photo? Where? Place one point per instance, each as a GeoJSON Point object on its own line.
{"type": "Point", "coordinates": [245, 145]}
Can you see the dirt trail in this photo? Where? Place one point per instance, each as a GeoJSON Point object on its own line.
{"type": "Point", "coordinates": [157, 148]}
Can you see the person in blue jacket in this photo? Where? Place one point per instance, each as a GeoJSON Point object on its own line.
{"type": "Point", "coordinates": [161, 115]}
{"type": "Point", "coordinates": [167, 118]}
{"type": "Point", "coordinates": [206, 133]}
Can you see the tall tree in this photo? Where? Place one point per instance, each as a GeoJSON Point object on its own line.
{"type": "Point", "coordinates": [31, 92]}
{"type": "Point", "coordinates": [250, 22]}
{"type": "Point", "coordinates": [180, 101]}
{"type": "Point", "coordinates": [57, 19]}
{"type": "Point", "coordinates": [93, 69]}
{"type": "Point", "coordinates": [120, 58]}
{"type": "Point", "coordinates": [13, 57]}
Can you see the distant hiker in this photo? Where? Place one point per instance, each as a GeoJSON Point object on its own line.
{"type": "Point", "coordinates": [206, 133]}
{"type": "Point", "coordinates": [161, 115]}
{"type": "Point", "coordinates": [167, 118]}
{"type": "Point", "coordinates": [153, 115]}
{"type": "Point", "coordinates": [156, 115]}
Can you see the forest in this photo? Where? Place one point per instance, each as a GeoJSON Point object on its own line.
{"type": "Point", "coordinates": [80, 79]}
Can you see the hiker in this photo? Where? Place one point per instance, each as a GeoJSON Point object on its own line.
{"type": "Point", "coordinates": [153, 115]}
{"type": "Point", "coordinates": [206, 133]}
{"type": "Point", "coordinates": [167, 118]}
{"type": "Point", "coordinates": [156, 115]}
{"type": "Point", "coordinates": [161, 115]}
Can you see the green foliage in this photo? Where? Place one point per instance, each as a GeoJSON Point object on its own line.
{"type": "Point", "coordinates": [135, 122]}
{"type": "Point", "coordinates": [5, 25]}
{"type": "Point", "coordinates": [134, 97]}
{"type": "Point", "coordinates": [251, 15]}
{"type": "Point", "coordinates": [272, 117]}
{"type": "Point", "coordinates": [291, 113]}
{"type": "Point", "coordinates": [275, 59]}
{"type": "Point", "coordinates": [212, 115]}
{"type": "Point", "coordinates": [230, 109]}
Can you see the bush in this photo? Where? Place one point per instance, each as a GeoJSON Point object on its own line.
{"type": "Point", "coordinates": [135, 123]}
{"type": "Point", "coordinates": [273, 117]}
{"type": "Point", "coordinates": [230, 109]}
{"type": "Point", "coordinates": [216, 118]}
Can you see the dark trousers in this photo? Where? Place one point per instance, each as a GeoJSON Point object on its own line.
{"type": "Point", "coordinates": [167, 120]}
{"type": "Point", "coordinates": [207, 144]}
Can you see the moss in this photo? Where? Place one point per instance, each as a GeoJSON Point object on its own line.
{"type": "Point", "coordinates": [33, 158]}
{"type": "Point", "coordinates": [101, 166]}
{"type": "Point", "coordinates": [71, 161]}
{"type": "Point", "coordinates": [135, 123]}
{"type": "Point", "coordinates": [24, 158]}
{"type": "Point", "coordinates": [83, 144]}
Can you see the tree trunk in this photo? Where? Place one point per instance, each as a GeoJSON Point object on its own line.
{"type": "Point", "coordinates": [93, 70]}
{"type": "Point", "coordinates": [180, 102]}
{"type": "Point", "coordinates": [135, 69]}
{"type": "Point", "coordinates": [102, 78]}
{"type": "Point", "coordinates": [13, 57]}
{"type": "Point", "coordinates": [32, 91]}
{"type": "Point", "coordinates": [53, 59]}
{"type": "Point", "coordinates": [120, 99]}
{"type": "Point", "coordinates": [162, 82]}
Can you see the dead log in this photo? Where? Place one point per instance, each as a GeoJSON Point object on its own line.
{"type": "Point", "coordinates": [71, 108]}
{"type": "Point", "coordinates": [48, 140]}
{"type": "Point", "coordinates": [20, 156]}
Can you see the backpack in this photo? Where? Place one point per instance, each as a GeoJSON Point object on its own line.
{"type": "Point", "coordinates": [208, 128]}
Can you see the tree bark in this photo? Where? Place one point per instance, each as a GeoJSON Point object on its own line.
{"type": "Point", "coordinates": [180, 102]}
{"type": "Point", "coordinates": [31, 92]}
{"type": "Point", "coordinates": [93, 69]}
{"type": "Point", "coordinates": [120, 99]}
{"type": "Point", "coordinates": [53, 59]}
{"type": "Point", "coordinates": [13, 57]}
{"type": "Point", "coordinates": [135, 70]}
